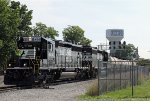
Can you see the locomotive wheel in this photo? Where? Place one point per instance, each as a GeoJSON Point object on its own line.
{"type": "Point", "coordinates": [88, 75]}
{"type": "Point", "coordinates": [57, 75]}
{"type": "Point", "coordinates": [94, 74]}
{"type": "Point", "coordinates": [78, 76]}
{"type": "Point", "coordinates": [82, 75]}
{"type": "Point", "coordinates": [49, 79]}
{"type": "Point", "coordinates": [85, 75]}
{"type": "Point", "coordinates": [7, 79]}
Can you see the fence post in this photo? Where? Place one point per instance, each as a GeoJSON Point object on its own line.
{"type": "Point", "coordinates": [137, 74]}
{"type": "Point", "coordinates": [98, 79]}
{"type": "Point", "coordinates": [120, 73]}
{"type": "Point", "coordinates": [114, 74]}
{"type": "Point", "coordinates": [100, 64]}
{"type": "Point", "coordinates": [132, 78]}
{"type": "Point", "coordinates": [106, 77]}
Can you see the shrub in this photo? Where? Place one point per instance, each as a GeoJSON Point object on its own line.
{"type": "Point", "coordinates": [93, 89]}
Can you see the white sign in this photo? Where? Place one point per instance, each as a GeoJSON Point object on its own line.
{"type": "Point", "coordinates": [33, 39]}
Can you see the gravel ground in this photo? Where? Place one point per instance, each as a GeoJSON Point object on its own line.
{"type": "Point", "coordinates": [63, 92]}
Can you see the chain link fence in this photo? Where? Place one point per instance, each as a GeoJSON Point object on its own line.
{"type": "Point", "coordinates": [116, 75]}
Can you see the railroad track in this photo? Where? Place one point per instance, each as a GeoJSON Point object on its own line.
{"type": "Point", "coordinates": [13, 88]}
{"type": "Point", "coordinates": [60, 82]}
{"type": "Point", "coordinates": [44, 86]}
{"type": "Point", "coordinates": [8, 88]}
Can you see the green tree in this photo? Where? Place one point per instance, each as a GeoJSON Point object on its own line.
{"type": "Point", "coordinates": [1, 43]}
{"type": "Point", "coordinates": [127, 53]}
{"type": "Point", "coordinates": [25, 17]}
{"type": "Point", "coordinates": [9, 22]}
{"type": "Point", "coordinates": [15, 21]}
{"type": "Point", "coordinates": [42, 30]}
{"type": "Point", "coordinates": [73, 34]}
{"type": "Point", "coordinates": [51, 32]}
{"type": "Point", "coordinates": [144, 62]}
{"type": "Point", "coordinates": [85, 41]}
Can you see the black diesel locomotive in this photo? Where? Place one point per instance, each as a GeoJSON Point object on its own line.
{"type": "Point", "coordinates": [45, 60]}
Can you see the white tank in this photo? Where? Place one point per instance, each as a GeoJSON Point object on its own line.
{"type": "Point", "coordinates": [114, 34]}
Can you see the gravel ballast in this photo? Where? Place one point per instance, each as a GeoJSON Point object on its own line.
{"type": "Point", "coordinates": [62, 92]}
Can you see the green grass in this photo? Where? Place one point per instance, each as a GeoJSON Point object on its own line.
{"type": "Point", "coordinates": [141, 93]}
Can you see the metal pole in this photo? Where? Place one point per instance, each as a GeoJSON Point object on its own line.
{"type": "Point", "coordinates": [137, 75]}
{"type": "Point", "coordinates": [120, 73]}
{"type": "Point", "coordinates": [130, 68]}
{"type": "Point", "coordinates": [98, 79]}
{"type": "Point", "coordinates": [98, 76]}
{"type": "Point", "coordinates": [114, 67]}
{"type": "Point", "coordinates": [106, 78]}
{"type": "Point", "coordinates": [132, 79]}
{"type": "Point", "coordinates": [65, 61]}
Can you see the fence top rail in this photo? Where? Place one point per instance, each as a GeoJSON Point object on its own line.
{"type": "Point", "coordinates": [119, 61]}
{"type": "Point", "coordinates": [124, 63]}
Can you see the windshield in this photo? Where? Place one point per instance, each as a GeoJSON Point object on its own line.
{"type": "Point", "coordinates": [27, 53]}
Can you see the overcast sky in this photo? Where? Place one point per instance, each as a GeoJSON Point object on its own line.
{"type": "Point", "coordinates": [95, 16]}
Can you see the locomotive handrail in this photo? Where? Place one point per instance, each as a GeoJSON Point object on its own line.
{"type": "Point", "coordinates": [38, 64]}
{"type": "Point", "coordinates": [31, 65]}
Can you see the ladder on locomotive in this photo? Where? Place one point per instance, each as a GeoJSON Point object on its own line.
{"type": "Point", "coordinates": [36, 64]}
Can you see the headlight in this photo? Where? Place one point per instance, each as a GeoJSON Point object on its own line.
{"type": "Point", "coordinates": [9, 65]}
{"type": "Point", "coordinates": [4, 72]}
{"type": "Point", "coordinates": [24, 64]}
